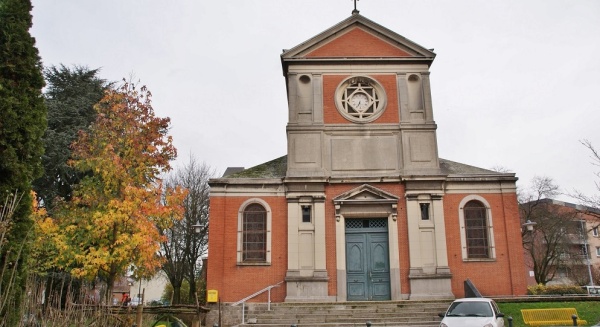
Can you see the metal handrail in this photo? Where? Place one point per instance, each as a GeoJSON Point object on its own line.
{"type": "Point", "coordinates": [243, 301]}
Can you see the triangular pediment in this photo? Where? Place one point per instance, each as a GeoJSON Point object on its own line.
{"type": "Point", "coordinates": [358, 37]}
{"type": "Point", "coordinates": [366, 193]}
{"type": "Point", "coordinates": [358, 42]}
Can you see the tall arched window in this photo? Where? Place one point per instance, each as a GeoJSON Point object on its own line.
{"type": "Point", "coordinates": [254, 233]}
{"type": "Point", "coordinates": [476, 230]}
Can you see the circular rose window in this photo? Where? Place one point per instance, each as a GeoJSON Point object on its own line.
{"type": "Point", "coordinates": [360, 99]}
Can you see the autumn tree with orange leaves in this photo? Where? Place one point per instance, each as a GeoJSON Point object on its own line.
{"type": "Point", "coordinates": [110, 225]}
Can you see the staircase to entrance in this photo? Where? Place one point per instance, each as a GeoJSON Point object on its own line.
{"type": "Point", "coordinates": [346, 314]}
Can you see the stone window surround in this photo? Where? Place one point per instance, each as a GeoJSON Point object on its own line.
{"type": "Point", "coordinates": [378, 99]}
{"type": "Point", "coordinates": [240, 235]}
{"type": "Point", "coordinates": [463, 236]}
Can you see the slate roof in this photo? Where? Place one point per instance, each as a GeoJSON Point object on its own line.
{"type": "Point", "coordinates": [456, 168]}
{"type": "Point", "coordinates": [232, 170]}
{"type": "Point", "coordinates": [277, 169]}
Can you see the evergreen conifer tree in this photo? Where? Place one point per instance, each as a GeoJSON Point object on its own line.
{"type": "Point", "coordinates": [70, 96]}
{"type": "Point", "coordinates": [22, 124]}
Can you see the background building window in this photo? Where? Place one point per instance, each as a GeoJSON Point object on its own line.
{"type": "Point", "coordinates": [254, 233]}
{"type": "Point", "coordinates": [595, 231]}
{"type": "Point", "coordinates": [585, 251]}
{"type": "Point", "coordinates": [598, 251]}
{"type": "Point", "coordinates": [476, 230]}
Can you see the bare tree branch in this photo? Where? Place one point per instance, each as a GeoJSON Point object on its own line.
{"type": "Point", "coordinates": [184, 247]}
{"type": "Point", "coordinates": [552, 244]}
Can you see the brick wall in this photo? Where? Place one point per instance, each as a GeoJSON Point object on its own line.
{"type": "Point", "coordinates": [357, 43]}
{"type": "Point", "coordinates": [505, 275]}
{"type": "Point", "coordinates": [235, 282]}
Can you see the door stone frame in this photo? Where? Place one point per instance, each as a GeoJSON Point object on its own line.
{"type": "Point", "coordinates": [366, 202]}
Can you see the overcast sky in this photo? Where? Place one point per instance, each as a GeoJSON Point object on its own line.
{"type": "Point", "coordinates": [516, 83]}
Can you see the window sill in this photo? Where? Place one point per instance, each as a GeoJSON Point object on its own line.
{"type": "Point", "coordinates": [253, 264]}
{"type": "Point", "coordinates": [479, 259]}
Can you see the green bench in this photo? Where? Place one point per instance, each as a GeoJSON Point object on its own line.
{"type": "Point", "coordinates": [551, 317]}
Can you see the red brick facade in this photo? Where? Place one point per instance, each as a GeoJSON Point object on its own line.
{"type": "Point", "coordinates": [346, 46]}
{"type": "Point", "coordinates": [236, 282]}
{"type": "Point", "coordinates": [503, 276]}
{"type": "Point", "coordinates": [489, 277]}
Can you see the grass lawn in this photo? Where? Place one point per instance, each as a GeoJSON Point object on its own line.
{"type": "Point", "coordinates": [587, 310]}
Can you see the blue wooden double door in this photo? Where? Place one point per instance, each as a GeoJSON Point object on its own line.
{"type": "Point", "coordinates": [367, 260]}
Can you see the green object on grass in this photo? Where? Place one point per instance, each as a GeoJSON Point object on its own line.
{"type": "Point", "coordinates": [169, 321]}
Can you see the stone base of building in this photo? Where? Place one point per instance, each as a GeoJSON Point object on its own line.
{"type": "Point", "coordinates": [223, 314]}
{"type": "Point", "coordinates": [307, 288]}
{"type": "Point", "coordinates": [430, 286]}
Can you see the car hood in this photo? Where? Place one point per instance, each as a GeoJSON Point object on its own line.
{"type": "Point", "coordinates": [467, 321]}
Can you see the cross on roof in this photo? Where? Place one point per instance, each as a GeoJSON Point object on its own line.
{"type": "Point", "coordinates": [355, 11]}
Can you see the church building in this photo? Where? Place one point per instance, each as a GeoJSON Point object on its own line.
{"type": "Point", "coordinates": [362, 208]}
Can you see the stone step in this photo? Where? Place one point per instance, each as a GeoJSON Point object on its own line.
{"type": "Point", "coordinates": [388, 313]}
{"type": "Point", "coordinates": [357, 322]}
{"type": "Point", "coordinates": [349, 312]}
{"type": "Point", "coordinates": [340, 319]}
{"type": "Point", "coordinates": [366, 313]}
{"type": "Point", "coordinates": [386, 308]}
{"type": "Point", "coordinates": [322, 324]}
{"type": "Point", "coordinates": [379, 308]}
{"type": "Point", "coordinates": [353, 304]}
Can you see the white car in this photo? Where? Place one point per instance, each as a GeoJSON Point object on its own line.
{"type": "Point", "coordinates": [135, 301]}
{"type": "Point", "coordinates": [472, 312]}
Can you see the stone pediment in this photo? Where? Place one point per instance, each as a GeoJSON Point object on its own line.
{"type": "Point", "coordinates": [365, 194]}
{"type": "Point", "coordinates": [358, 37]}
{"type": "Point", "coordinates": [366, 201]}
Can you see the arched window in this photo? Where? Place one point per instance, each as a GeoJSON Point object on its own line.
{"type": "Point", "coordinates": [254, 233]}
{"type": "Point", "coordinates": [476, 230]}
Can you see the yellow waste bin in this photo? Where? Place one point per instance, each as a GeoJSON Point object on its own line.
{"type": "Point", "coordinates": [212, 296]}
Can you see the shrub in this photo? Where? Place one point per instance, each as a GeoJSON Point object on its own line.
{"type": "Point", "coordinates": [542, 289]}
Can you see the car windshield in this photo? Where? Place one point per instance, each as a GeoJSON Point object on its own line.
{"type": "Point", "coordinates": [470, 309]}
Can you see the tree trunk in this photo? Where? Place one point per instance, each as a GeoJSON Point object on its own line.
{"type": "Point", "coordinates": [192, 293]}
{"type": "Point", "coordinates": [176, 294]}
{"type": "Point", "coordinates": [110, 282]}
{"type": "Point", "coordinates": [112, 271]}
{"type": "Point", "coordinates": [48, 291]}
